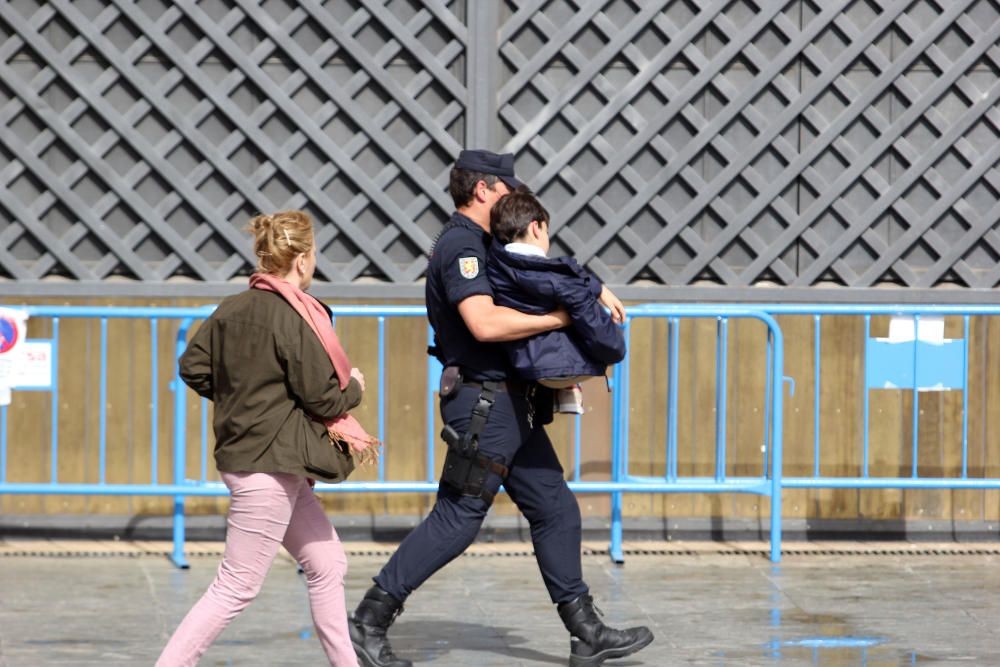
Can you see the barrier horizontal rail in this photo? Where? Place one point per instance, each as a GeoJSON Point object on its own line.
{"type": "Point", "coordinates": [687, 485]}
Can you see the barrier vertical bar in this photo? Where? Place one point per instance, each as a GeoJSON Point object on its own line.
{"type": "Point", "coordinates": [103, 414]}
{"type": "Point", "coordinates": [768, 396]}
{"type": "Point", "coordinates": [3, 444]}
{"type": "Point", "coordinates": [777, 408]}
{"type": "Point", "coordinates": [576, 447]}
{"type": "Point", "coordinates": [180, 443]}
{"type": "Point", "coordinates": [867, 361]}
{"type": "Point", "coordinates": [54, 416]}
{"type": "Point", "coordinates": [916, 391]}
{"type": "Point", "coordinates": [615, 546]}
{"type": "Point", "coordinates": [674, 333]}
{"type": "Point", "coordinates": [154, 393]}
{"type": "Point", "coordinates": [619, 434]}
{"type": "Point", "coordinates": [381, 395]}
{"type": "Point", "coordinates": [721, 372]}
{"type": "Point", "coordinates": [816, 390]}
{"type": "Point", "coordinates": [626, 414]}
{"type": "Point", "coordinates": [432, 365]}
{"type": "Point", "coordinates": [965, 401]}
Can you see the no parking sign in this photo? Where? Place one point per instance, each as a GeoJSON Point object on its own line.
{"type": "Point", "coordinates": [13, 331]}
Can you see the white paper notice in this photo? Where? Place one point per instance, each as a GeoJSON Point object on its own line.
{"type": "Point", "coordinates": [33, 368]}
{"type": "Point", "coordinates": [931, 329]}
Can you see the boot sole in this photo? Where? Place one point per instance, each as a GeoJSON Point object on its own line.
{"type": "Point", "coordinates": [610, 653]}
{"type": "Point", "coordinates": [365, 659]}
{"type": "Point", "coordinates": [363, 656]}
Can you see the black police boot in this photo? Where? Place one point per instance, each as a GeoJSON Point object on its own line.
{"type": "Point", "coordinates": [592, 642]}
{"type": "Point", "coordinates": [372, 618]}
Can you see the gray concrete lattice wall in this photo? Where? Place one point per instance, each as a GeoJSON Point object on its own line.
{"type": "Point", "coordinates": [686, 150]}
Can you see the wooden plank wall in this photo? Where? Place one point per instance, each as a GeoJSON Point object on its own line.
{"type": "Point", "coordinates": [129, 421]}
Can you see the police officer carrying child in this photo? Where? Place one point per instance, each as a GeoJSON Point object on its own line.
{"type": "Point", "coordinates": [494, 429]}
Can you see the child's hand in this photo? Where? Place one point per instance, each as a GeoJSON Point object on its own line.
{"type": "Point", "coordinates": [612, 303]}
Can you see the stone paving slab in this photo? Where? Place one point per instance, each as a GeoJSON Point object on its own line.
{"type": "Point", "coordinates": [708, 604]}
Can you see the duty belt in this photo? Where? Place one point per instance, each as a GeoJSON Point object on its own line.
{"type": "Point", "coordinates": [510, 386]}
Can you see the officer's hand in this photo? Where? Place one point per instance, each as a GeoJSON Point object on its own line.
{"type": "Point", "coordinates": [357, 375]}
{"type": "Point", "coordinates": [612, 303]}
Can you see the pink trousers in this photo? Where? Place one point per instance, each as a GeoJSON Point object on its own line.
{"type": "Point", "coordinates": [265, 512]}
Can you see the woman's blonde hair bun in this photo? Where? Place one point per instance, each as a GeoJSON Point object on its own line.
{"type": "Point", "coordinates": [279, 238]}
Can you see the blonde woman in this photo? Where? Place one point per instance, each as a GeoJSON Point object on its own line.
{"type": "Point", "coordinates": [282, 387]}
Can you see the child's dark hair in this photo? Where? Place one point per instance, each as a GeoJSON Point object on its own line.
{"type": "Point", "coordinates": [511, 216]}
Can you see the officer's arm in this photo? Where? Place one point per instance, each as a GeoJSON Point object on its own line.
{"type": "Point", "coordinates": [490, 323]}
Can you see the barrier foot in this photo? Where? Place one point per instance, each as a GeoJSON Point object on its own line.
{"type": "Point", "coordinates": [615, 548]}
{"type": "Point", "coordinates": [177, 555]}
{"type": "Point", "coordinates": [617, 555]}
{"type": "Point", "coordinates": [179, 560]}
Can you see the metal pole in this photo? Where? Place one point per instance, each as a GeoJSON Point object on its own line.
{"type": "Point", "coordinates": [776, 439]}
{"type": "Point", "coordinates": [481, 80]}
{"type": "Point", "coordinates": [619, 433]}
{"type": "Point", "coordinates": [180, 444]}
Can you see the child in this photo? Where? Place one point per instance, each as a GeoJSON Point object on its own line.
{"type": "Point", "coordinates": [524, 278]}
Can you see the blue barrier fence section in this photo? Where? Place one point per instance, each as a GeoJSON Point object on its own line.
{"type": "Point", "coordinates": [915, 356]}
{"type": "Point", "coordinates": [932, 366]}
{"type": "Point", "coordinates": [184, 485]}
{"type": "Point", "coordinates": [767, 483]}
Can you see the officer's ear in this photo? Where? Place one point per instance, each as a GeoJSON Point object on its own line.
{"type": "Point", "coordinates": [480, 190]}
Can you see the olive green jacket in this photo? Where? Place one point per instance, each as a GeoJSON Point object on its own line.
{"type": "Point", "coordinates": [268, 376]}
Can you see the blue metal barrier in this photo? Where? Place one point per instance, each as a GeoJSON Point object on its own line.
{"type": "Point", "coordinates": [923, 373]}
{"type": "Point", "coordinates": [181, 487]}
{"type": "Point", "coordinates": [768, 483]}
{"type": "Point", "coordinates": [947, 376]}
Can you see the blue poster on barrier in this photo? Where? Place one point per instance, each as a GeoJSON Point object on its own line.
{"type": "Point", "coordinates": [924, 360]}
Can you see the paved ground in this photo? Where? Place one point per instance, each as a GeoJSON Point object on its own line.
{"type": "Point", "coordinates": [98, 603]}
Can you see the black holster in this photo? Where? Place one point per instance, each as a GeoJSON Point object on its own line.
{"type": "Point", "coordinates": [464, 467]}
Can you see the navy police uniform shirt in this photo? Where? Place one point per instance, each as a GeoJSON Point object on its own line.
{"type": "Point", "coordinates": [457, 270]}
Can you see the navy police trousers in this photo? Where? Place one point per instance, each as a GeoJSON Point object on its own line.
{"type": "Point", "coordinates": [535, 484]}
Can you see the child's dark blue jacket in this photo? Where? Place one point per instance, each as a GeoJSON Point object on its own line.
{"type": "Point", "coordinates": [537, 285]}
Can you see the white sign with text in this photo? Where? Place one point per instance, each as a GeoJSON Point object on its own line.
{"type": "Point", "coordinates": [33, 369]}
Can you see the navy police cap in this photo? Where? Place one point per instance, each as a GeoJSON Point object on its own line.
{"type": "Point", "coordinates": [485, 162]}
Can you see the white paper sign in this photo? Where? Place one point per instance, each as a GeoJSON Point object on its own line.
{"type": "Point", "coordinates": [33, 367]}
{"type": "Point", "coordinates": [901, 329]}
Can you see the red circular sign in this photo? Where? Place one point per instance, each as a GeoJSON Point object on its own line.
{"type": "Point", "coordinates": [8, 333]}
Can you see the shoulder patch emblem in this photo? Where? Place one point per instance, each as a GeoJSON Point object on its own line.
{"type": "Point", "coordinates": [468, 267]}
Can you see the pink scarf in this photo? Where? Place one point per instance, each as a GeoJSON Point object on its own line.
{"type": "Point", "coordinates": [345, 427]}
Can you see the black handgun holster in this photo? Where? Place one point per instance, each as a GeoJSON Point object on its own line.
{"type": "Point", "coordinates": [464, 467]}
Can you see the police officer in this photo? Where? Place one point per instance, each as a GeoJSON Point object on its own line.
{"type": "Point", "coordinates": [494, 434]}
